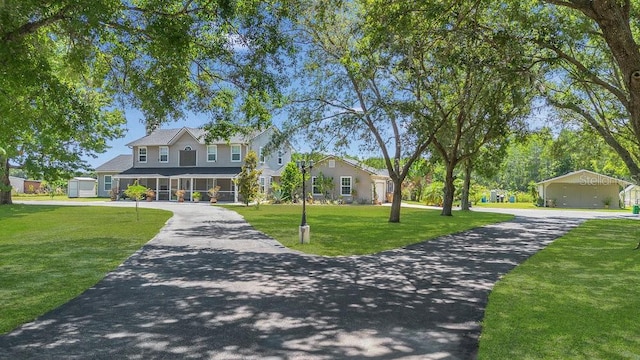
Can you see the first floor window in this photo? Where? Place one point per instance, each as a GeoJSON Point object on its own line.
{"type": "Point", "coordinates": [142, 154]}
{"type": "Point", "coordinates": [262, 184]}
{"type": "Point", "coordinates": [164, 154]}
{"type": "Point", "coordinates": [236, 153]}
{"type": "Point", "coordinates": [107, 183]}
{"type": "Point", "coordinates": [345, 185]}
{"type": "Point", "coordinates": [212, 153]}
{"type": "Point", "coordinates": [315, 187]}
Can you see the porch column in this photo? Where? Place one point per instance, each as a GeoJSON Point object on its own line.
{"type": "Point", "coordinates": [235, 190]}
{"type": "Point", "coordinates": [191, 188]}
{"type": "Point", "coordinates": [157, 189]}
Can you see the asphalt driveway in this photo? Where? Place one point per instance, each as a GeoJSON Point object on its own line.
{"type": "Point", "coordinates": [208, 286]}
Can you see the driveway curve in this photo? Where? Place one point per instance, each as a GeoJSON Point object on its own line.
{"type": "Point", "coordinates": [209, 286]}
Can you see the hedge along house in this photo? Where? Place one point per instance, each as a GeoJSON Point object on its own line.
{"type": "Point", "coordinates": [168, 160]}
{"type": "Point", "coordinates": [582, 189]}
{"type": "Point", "coordinates": [351, 181]}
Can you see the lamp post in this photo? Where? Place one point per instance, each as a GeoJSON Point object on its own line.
{"type": "Point", "coordinates": [304, 228]}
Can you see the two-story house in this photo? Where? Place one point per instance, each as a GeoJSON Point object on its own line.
{"type": "Point", "coordinates": [179, 159]}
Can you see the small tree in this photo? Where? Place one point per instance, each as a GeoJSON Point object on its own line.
{"type": "Point", "coordinates": [325, 186]}
{"type": "Point", "coordinates": [247, 181]}
{"type": "Point", "coordinates": [136, 192]}
{"type": "Point", "coordinates": [290, 181]}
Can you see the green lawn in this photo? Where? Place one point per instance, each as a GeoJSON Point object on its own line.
{"type": "Point", "coordinates": [508, 205]}
{"type": "Point", "coordinates": [44, 197]}
{"type": "Point", "coordinates": [50, 254]}
{"type": "Point", "coordinates": [357, 229]}
{"type": "Point", "coordinates": [577, 299]}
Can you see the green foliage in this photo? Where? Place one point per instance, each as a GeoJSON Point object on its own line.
{"type": "Point", "coordinates": [590, 65]}
{"type": "Point", "coordinates": [433, 194]}
{"type": "Point", "coordinates": [44, 266]}
{"type": "Point", "coordinates": [247, 180]}
{"type": "Point", "coordinates": [70, 68]}
{"type": "Point", "coordinates": [575, 299]}
{"type": "Point", "coordinates": [280, 222]}
{"type": "Point", "coordinates": [291, 181]}
{"type": "Point", "coordinates": [136, 192]}
{"type": "Point", "coordinates": [542, 155]}
{"type": "Point", "coordinates": [325, 187]}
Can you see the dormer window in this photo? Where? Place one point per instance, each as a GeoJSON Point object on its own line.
{"type": "Point", "coordinates": [142, 154]}
{"type": "Point", "coordinates": [187, 148]}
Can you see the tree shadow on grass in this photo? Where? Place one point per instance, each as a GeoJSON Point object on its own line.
{"type": "Point", "coordinates": [424, 301]}
{"type": "Point", "coordinates": [21, 210]}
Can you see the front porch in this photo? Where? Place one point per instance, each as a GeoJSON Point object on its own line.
{"type": "Point", "coordinates": [165, 187]}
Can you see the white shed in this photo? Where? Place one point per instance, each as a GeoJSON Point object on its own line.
{"type": "Point", "coordinates": [82, 187]}
{"type": "Point", "coordinates": [17, 184]}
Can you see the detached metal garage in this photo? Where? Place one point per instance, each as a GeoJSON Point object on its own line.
{"type": "Point", "coordinates": [82, 187]}
{"type": "Point", "coordinates": [582, 189]}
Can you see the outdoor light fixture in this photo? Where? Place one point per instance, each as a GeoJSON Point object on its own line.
{"type": "Point", "coordinates": [304, 228]}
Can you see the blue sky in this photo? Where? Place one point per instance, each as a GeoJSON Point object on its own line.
{"type": "Point", "coordinates": [135, 130]}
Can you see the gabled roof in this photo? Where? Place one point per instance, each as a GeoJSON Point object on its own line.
{"type": "Point", "coordinates": [585, 176]}
{"type": "Point", "coordinates": [117, 164]}
{"type": "Point", "coordinates": [160, 137]}
{"type": "Point", "coordinates": [358, 165]}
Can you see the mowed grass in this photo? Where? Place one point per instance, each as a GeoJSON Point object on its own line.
{"type": "Point", "coordinates": [576, 299]}
{"type": "Point", "coordinates": [357, 229]}
{"type": "Point", "coordinates": [51, 254]}
{"type": "Point", "coordinates": [45, 197]}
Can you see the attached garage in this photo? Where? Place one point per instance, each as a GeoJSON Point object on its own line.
{"type": "Point", "coordinates": [582, 189]}
{"type": "Point", "coordinates": [82, 187]}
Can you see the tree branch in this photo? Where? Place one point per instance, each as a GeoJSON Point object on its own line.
{"type": "Point", "coordinates": [33, 26]}
{"type": "Point", "coordinates": [621, 95]}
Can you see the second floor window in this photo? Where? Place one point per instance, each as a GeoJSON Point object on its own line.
{"type": "Point", "coordinates": [236, 153]}
{"type": "Point", "coordinates": [261, 155]}
{"type": "Point", "coordinates": [212, 153]}
{"type": "Point", "coordinates": [280, 157]}
{"type": "Point", "coordinates": [142, 154]}
{"type": "Point", "coordinates": [164, 154]}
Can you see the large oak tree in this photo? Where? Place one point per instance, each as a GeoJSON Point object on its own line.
{"type": "Point", "coordinates": [353, 90]}
{"type": "Point", "coordinates": [67, 66]}
{"type": "Point", "coordinates": [591, 54]}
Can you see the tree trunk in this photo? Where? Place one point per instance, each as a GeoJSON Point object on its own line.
{"type": "Point", "coordinates": [464, 202]}
{"type": "Point", "coordinates": [394, 216]}
{"type": "Point", "coordinates": [5, 183]}
{"type": "Point", "coordinates": [449, 191]}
